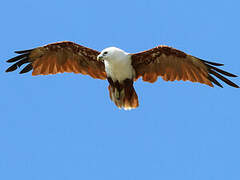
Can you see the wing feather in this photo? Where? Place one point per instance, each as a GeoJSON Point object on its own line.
{"type": "Point", "coordinates": [26, 69]}
{"type": "Point", "coordinates": [172, 64]}
{"type": "Point", "coordinates": [59, 57]}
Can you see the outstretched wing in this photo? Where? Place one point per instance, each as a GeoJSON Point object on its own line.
{"type": "Point", "coordinates": [59, 57]}
{"type": "Point", "coordinates": [172, 64]}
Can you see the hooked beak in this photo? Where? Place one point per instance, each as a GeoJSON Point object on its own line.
{"type": "Point", "coordinates": [100, 57]}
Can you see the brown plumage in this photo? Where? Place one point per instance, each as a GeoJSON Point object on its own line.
{"type": "Point", "coordinates": [172, 64]}
{"type": "Point", "coordinates": [58, 58]}
{"type": "Point", "coordinates": [123, 94]}
{"type": "Point", "coordinates": [169, 63]}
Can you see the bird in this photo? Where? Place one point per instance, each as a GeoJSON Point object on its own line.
{"type": "Point", "coordinates": [119, 68]}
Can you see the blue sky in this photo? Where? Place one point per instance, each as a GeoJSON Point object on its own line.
{"type": "Point", "coordinates": [65, 126]}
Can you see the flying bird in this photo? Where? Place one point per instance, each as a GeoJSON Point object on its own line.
{"type": "Point", "coordinates": [120, 68]}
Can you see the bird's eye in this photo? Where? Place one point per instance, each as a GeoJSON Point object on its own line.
{"type": "Point", "coordinates": [105, 53]}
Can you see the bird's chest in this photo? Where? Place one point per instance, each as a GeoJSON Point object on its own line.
{"type": "Point", "coordinates": [119, 70]}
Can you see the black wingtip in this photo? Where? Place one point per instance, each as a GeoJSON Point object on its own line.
{"type": "Point", "coordinates": [227, 81]}
{"type": "Point", "coordinates": [217, 72]}
{"type": "Point", "coordinates": [16, 58]}
{"type": "Point", "coordinates": [221, 71]}
{"type": "Point", "coordinates": [23, 51]}
{"type": "Point", "coordinates": [19, 60]}
{"type": "Point", "coordinates": [212, 79]}
{"type": "Point", "coordinates": [26, 69]}
{"type": "Point", "coordinates": [11, 68]}
{"type": "Point", "coordinates": [212, 63]}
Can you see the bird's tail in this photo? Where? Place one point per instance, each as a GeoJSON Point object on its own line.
{"type": "Point", "coordinates": [123, 95]}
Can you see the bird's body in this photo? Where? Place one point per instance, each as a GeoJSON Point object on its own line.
{"type": "Point", "coordinates": [121, 69]}
{"type": "Point", "coordinates": [118, 64]}
{"type": "Point", "coordinates": [120, 75]}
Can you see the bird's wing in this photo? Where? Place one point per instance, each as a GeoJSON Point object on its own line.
{"type": "Point", "coordinates": [172, 64]}
{"type": "Point", "coordinates": [59, 57]}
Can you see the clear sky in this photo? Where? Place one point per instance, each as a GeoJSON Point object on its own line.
{"type": "Point", "coordinates": [64, 127]}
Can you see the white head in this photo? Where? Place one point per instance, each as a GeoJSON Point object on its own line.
{"type": "Point", "coordinates": [112, 53]}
